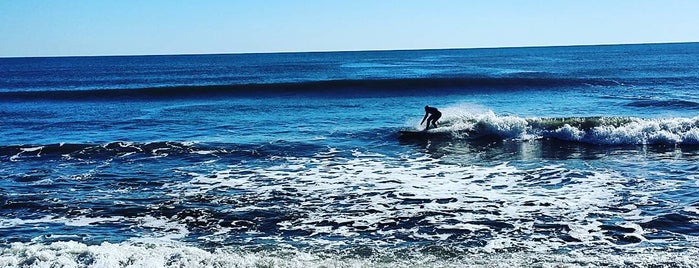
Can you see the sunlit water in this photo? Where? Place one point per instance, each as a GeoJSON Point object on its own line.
{"type": "Point", "coordinates": [577, 156]}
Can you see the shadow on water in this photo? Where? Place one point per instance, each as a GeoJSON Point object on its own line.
{"type": "Point", "coordinates": [493, 148]}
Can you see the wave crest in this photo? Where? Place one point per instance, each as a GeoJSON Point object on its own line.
{"type": "Point", "coordinates": [469, 124]}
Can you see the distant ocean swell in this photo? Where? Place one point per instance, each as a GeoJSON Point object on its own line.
{"type": "Point", "coordinates": [394, 86]}
{"type": "Point", "coordinates": [671, 103]}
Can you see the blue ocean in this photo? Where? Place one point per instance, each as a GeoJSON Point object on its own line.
{"type": "Point", "coordinates": [580, 156]}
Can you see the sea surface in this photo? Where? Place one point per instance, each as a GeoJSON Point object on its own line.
{"type": "Point", "coordinates": [580, 156]}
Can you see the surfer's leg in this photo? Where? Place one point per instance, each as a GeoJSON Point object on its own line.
{"type": "Point", "coordinates": [431, 120]}
{"type": "Point", "coordinates": [435, 118]}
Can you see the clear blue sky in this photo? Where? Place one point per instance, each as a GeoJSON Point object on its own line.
{"type": "Point", "coordinates": [126, 27]}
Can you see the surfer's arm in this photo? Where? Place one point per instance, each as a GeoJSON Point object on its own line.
{"type": "Point", "coordinates": [423, 119]}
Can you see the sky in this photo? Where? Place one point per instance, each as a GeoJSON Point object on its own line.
{"type": "Point", "coordinates": [157, 27]}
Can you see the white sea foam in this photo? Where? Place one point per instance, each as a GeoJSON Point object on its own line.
{"type": "Point", "coordinates": [350, 197]}
{"type": "Point", "coordinates": [165, 230]}
{"type": "Point", "coordinates": [348, 200]}
{"type": "Point", "coordinates": [36, 150]}
{"type": "Point", "coordinates": [75, 254]}
{"type": "Point", "coordinates": [85, 221]}
{"type": "Point", "coordinates": [161, 229]}
{"type": "Point", "coordinates": [14, 222]}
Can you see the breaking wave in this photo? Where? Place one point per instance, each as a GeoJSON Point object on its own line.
{"type": "Point", "coordinates": [459, 123]}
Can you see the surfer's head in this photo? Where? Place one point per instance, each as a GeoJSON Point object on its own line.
{"type": "Point", "coordinates": [427, 107]}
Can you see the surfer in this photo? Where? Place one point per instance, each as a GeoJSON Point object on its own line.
{"type": "Point", "coordinates": [433, 114]}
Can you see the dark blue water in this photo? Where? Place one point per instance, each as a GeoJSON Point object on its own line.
{"type": "Point", "coordinates": [574, 156]}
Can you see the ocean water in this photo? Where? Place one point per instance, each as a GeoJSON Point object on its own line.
{"type": "Point", "coordinates": [555, 156]}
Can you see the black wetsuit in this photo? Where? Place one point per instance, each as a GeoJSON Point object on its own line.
{"type": "Point", "coordinates": [434, 115]}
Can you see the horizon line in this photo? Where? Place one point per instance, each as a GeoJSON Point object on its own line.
{"type": "Point", "coordinates": [344, 51]}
